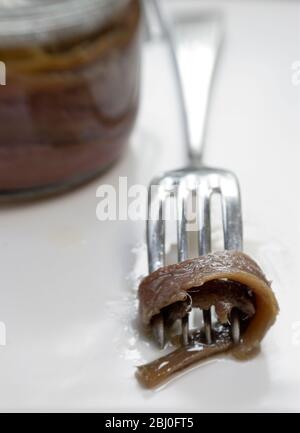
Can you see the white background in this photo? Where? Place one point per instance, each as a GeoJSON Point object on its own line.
{"type": "Point", "coordinates": [68, 282]}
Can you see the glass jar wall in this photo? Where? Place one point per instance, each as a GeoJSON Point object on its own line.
{"type": "Point", "coordinates": [71, 93]}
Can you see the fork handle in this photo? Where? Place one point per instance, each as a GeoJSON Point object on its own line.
{"type": "Point", "coordinates": [195, 43]}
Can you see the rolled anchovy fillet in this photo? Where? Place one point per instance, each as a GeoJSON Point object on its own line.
{"type": "Point", "coordinates": [227, 280]}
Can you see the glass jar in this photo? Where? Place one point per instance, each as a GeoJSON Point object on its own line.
{"type": "Point", "coordinates": [71, 93]}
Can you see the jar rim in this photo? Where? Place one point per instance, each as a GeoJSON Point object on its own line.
{"type": "Point", "coordinates": [23, 21]}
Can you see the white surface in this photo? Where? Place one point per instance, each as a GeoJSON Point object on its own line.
{"type": "Point", "coordinates": [68, 282]}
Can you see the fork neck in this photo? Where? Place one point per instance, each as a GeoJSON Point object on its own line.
{"type": "Point", "coordinates": [194, 42]}
{"type": "Point", "coordinates": [195, 159]}
{"type": "Point", "coordinates": [195, 45]}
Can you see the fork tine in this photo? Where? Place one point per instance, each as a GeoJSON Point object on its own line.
{"type": "Point", "coordinates": [182, 242]}
{"type": "Point", "coordinates": [156, 246]}
{"type": "Point", "coordinates": [156, 228]}
{"type": "Point", "coordinates": [204, 194]}
{"type": "Point", "coordinates": [232, 214]}
{"type": "Point", "coordinates": [159, 330]}
{"type": "Point", "coordinates": [185, 330]}
{"type": "Point", "coordinates": [235, 326]}
{"type": "Point", "coordinates": [207, 325]}
{"type": "Point", "coordinates": [233, 230]}
{"type": "Point", "coordinates": [182, 235]}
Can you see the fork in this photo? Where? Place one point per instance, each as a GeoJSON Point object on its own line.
{"type": "Point", "coordinates": [194, 44]}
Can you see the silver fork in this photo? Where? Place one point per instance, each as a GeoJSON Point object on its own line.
{"type": "Point", "coordinates": [195, 46]}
